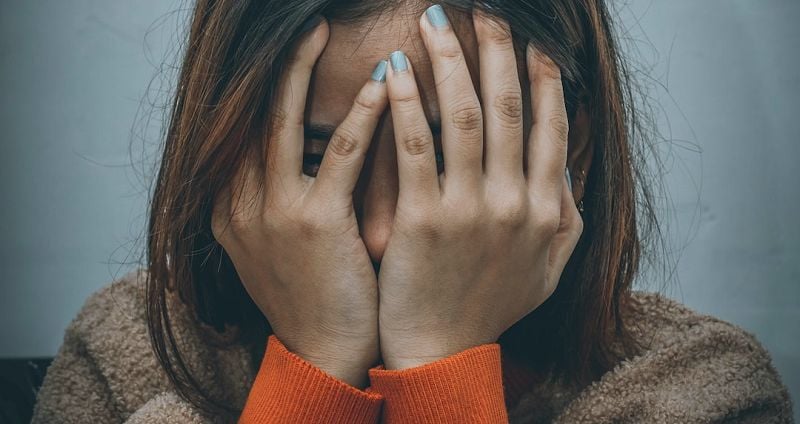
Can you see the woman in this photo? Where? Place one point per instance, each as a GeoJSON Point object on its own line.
{"type": "Point", "coordinates": [438, 263]}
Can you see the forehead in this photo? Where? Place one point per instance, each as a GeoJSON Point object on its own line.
{"type": "Point", "coordinates": [353, 50]}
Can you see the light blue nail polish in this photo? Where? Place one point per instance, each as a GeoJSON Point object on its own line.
{"type": "Point", "coordinates": [399, 61]}
{"type": "Point", "coordinates": [379, 74]}
{"type": "Point", "coordinates": [436, 16]}
{"type": "Point", "coordinates": [569, 179]}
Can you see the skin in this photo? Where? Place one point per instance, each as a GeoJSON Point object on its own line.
{"type": "Point", "coordinates": [377, 202]}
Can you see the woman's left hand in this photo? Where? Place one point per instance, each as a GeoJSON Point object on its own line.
{"type": "Point", "coordinates": [475, 250]}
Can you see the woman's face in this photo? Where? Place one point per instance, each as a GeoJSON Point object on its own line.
{"type": "Point", "coordinates": [344, 67]}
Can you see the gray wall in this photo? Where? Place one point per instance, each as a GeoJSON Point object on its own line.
{"type": "Point", "coordinates": [723, 74]}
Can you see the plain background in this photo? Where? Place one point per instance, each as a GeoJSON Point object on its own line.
{"type": "Point", "coordinates": [83, 82]}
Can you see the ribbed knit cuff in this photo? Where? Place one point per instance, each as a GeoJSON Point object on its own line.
{"type": "Point", "coordinates": [288, 388]}
{"type": "Point", "coordinates": [464, 387]}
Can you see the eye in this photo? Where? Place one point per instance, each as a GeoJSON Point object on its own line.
{"type": "Point", "coordinates": [311, 163]}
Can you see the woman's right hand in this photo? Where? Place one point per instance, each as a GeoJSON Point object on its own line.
{"type": "Point", "coordinates": [296, 244]}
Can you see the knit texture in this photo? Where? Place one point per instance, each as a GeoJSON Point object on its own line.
{"type": "Point", "coordinates": [463, 388]}
{"type": "Point", "coordinates": [695, 368]}
{"type": "Point", "coordinates": [288, 388]}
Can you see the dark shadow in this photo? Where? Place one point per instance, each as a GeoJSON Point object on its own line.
{"type": "Point", "coordinates": [20, 380]}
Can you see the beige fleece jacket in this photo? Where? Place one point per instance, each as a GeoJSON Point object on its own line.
{"type": "Point", "coordinates": [697, 369]}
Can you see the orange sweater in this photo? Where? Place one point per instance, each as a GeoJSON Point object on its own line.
{"type": "Point", "coordinates": [469, 386]}
{"type": "Point", "coordinates": [692, 368]}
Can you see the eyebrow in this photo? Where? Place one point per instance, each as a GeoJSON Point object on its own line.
{"type": "Point", "coordinates": [320, 131]}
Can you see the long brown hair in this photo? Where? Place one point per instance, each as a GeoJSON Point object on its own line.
{"type": "Point", "coordinates": [220, 113]}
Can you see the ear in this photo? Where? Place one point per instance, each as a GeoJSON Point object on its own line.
{"type": "Point", "coordinates": [581, 149]}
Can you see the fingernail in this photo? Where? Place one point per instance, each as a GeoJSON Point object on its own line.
{"type": "Point", "coordinates": [399, 61]}
{"type": "Point", "coordinates": [436, 16]}
{"type": "Point", "coordinates": [311, 23]}
{"type": "Point", "coordinates": [379, 74]}
{"type": "Point", "coordinates": [569, 179]}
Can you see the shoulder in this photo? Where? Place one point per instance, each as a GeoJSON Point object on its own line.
{"type": "Point", "coordinates": [116, 308]}
{"type": "Point", "coordinates": [112, 320]}
{"type": "Point", "coordinates": [107, 354]}
{"type": "Point", "coordinates": [692, 367]}
{"type": "Point", "coordinates": [110, 332]}
{"type": "Point", "coordinates": [659, 323]}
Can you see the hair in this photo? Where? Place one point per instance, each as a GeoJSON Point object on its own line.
{"type": "Point", "coordinates": [221, 113]}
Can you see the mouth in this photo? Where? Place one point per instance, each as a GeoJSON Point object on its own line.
{"type": "Point", "coordinates": [376, 266]}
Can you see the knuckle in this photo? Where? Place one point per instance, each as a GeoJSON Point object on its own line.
{"type": "Point", "coordinates": [558, 125]}
{"type": "Point", "coordinates": [365, 104]}
{"type": "Point", "coordinates": [553, 87]}
{"type": "Point", "coordinates": [547, 69]}
{"type": "Point", "coordinates": [508, 105]}
{"type": "Point", "coordinates": [511, 212]}
{"type": "Point", "coordinates": [405, 101]}
{"type": "Point", "coordinates": [273, 221]}
{"type": "Point", "coordinates": [468, 118]}
{"type": "Point", "coordinates": [343, 143]}
{"type": "Point", "coordinates": [417, 143]}
{"type": "Point", "coordinates": [450, 51]}
{"type": "Point", "coordinates": [497, 34]}
{"type": "Point", "coordinates": [237, 223]}
{"type": "Point", "coordinates": [424, 224]}
{"type": "Point", "coordinates": [310, 222]}
{"type": "Point", "coordinates": [501, 37]}
{"type": "Point", "coordinates": [547, 220]}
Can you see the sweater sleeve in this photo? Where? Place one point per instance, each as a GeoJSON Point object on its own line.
{"type": "Point", "coordinates": [288, 388]}
{"type": "Point", "coordinates": [74, 390]}
{"type": "Point", "coordinates": [464, 387]}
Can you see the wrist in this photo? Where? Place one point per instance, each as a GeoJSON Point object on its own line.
{"type": "Point", "coordinates": [412, 355]}
{"type": "Point", "coordinates": [409, 362]}
{"type": "Point", "coordinates": [346, 363]}
{"type": "Point", "coordinates": [353, 375]}
{"type": "Point", "coordinates": [415, 353]}
{"type": "Point", "coordinates": [353, 370]}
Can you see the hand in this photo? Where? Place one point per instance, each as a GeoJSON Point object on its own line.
{"type": "Point", "coordinates": [296, 245]}
{"type": "Point", "coordinates": [476, 250]}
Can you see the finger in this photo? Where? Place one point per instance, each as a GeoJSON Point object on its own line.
{"type": "Point", "coordinates": [502, 97]}
{"type": "Point", "coordinates": [347, 148]}
{"type": "Point", "coordinates": [547, 143]}
{"type": "Point", "coordinates": [569, 233]}
{"type": "Point", "coordinates": [285, 144]}
{"type": "Point", "coordinates": [462, 120]}
{"type": "Point", "coordinates": [416, 160]}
